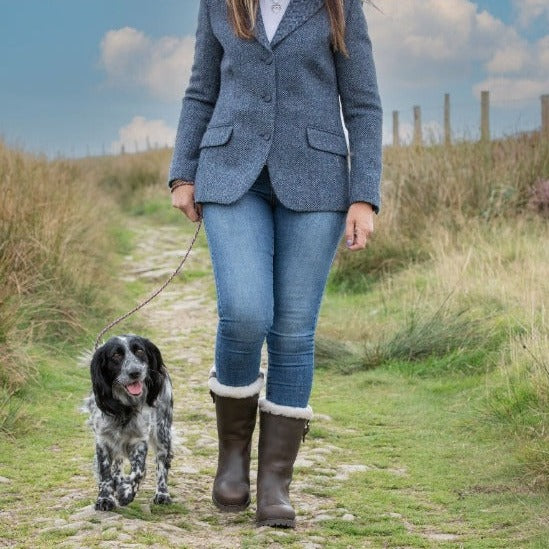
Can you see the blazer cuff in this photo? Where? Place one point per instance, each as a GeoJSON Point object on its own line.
{"type": "Point", "coordinates": [366, 194]}
{"type": "Point", "coordinates": [188, 181]}
{"type": "Point", "coordinates": [186, 175]}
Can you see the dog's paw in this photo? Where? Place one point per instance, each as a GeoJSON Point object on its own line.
{"type": "Point", "coordinates": [105, 504]}
{"type": "Point", "coordinates": [125, 493]}
{"type": "Point", "coordinates": [162, 498]}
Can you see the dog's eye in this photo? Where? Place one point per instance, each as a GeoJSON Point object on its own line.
{"type": "Point", "coordinates": [140, 353]}
{"type": "Point", "coordinates": [117, 357]}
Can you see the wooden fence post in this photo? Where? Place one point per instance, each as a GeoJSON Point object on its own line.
{"type": "Point", "coordinates": [485, 116]}
{"type": "Point", "coordinates": [418, 137]}
{"type": "Point", "coordinates": [545, 115]}
{"type": "Point", "coordinates": [396, 136]}
{"type": "Point", "coordinates": [447, 128]}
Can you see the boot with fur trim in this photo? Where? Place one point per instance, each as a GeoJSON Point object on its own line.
{"type": "Point", "coordinates": [281, 429]}
{"type": "Point", "coordinates": [236, 411]}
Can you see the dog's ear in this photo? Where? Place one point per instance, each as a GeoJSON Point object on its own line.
{"type": "Point", "coordinates": [102, 385]}
{"type": "Point", "coordinates": [157, 371]}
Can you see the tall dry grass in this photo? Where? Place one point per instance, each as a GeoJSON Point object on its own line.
{"type": "Point", "coordinates": [429, 187]}
{"type": "Point", "coordinates": [477, 306]}
{"type": "Point", "coordinates": [53, 249]}
{"type": "Point", "coordinates": [457, 271]}
{"type": "Point", "coordinates": [130, 179]}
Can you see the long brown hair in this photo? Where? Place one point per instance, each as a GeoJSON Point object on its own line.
{"type": "Point", "coordinates": [242, 14]}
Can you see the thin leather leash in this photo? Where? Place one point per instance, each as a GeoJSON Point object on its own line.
{"type": "Point", "coordinates": [153, 295]}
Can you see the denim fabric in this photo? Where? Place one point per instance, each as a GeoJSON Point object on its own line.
{"type": "Point", "coordinates": [270, 266]}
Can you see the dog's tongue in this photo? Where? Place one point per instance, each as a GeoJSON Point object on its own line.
{"type": "Point", "coordinates": [135, 388]}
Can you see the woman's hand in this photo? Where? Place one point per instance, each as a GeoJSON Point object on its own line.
{"type": "Point", "coordinates": [183, 199]}
{"type": "Point", "coordinates": [359, 225]}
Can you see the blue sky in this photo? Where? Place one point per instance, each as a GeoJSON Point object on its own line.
{"type": "Point", "coordinates": [83, 76]}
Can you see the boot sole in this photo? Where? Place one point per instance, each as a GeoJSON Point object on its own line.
{"type": "Point", "coordinates": [231, 508]}
{"type": "Point", "coordinates": [280, 523]}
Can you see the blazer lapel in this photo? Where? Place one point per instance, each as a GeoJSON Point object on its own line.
{"type": "Point", "coordinates": [297, 12]}
{"type": "Point", "coordinates": [260, 32]}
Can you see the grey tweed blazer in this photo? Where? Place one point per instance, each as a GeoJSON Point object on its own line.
{"type": "Point", "coordinates": [254, 102]}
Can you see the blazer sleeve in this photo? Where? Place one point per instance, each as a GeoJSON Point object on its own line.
{"type": "Point", "coordinates": [361, 106]}
{"type": "Point", "coordinates": [199, 99]}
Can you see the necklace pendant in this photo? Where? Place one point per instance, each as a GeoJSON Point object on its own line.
{"type": "Point", "coordinates": [276, 7]}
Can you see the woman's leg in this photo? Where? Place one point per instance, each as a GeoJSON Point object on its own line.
{"type": "Point", "coordinates": [240, 239]}
{"type": "Point", "coordinates": [305, 246]}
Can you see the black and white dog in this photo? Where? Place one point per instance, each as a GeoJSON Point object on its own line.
{"type": "Point", "coordinates": [131, 405]}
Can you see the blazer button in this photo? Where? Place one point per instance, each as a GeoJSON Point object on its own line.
{"type": "Point", "coordinates": [266, 135]}
{"type": "Point", "coordinates": [267, 97]}
{"type": "Point", "coordinates": [268, 60]}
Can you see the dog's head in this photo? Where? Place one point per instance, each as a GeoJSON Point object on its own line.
{"type": "Point", "coordinates": [126, 372]}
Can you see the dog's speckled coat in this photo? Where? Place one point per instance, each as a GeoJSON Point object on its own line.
{"type": "Point", "coordinates": [124, 423]}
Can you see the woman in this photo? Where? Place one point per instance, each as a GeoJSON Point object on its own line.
{"type": "Point", "coordinates": [261, 155]}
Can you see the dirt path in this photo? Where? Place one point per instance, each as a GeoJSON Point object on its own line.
{"type": "Point", "coordinates": [405, 456]}
{"type": "Point", "coordinates": [183, 319]}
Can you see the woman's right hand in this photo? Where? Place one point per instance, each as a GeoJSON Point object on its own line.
{"type": "Point", "coordinates": [183, 199]}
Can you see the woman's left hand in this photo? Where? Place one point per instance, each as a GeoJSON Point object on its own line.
{"type": "Point", "coordinates": [359, 225]}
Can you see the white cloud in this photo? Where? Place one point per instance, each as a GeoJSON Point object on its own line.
{"type": "Point", "coordinates": [528, 10]}
{"type": "Point", "coordinates": [503, 90]}
{"type": "Point", "coordinates": [142, 134]}
{"type": "Point", "coordinates": [509, 59]}
{"type": "Point", "coordinates": [434, 43]}
{"type": "Point", "coordinates": [518, 79]}
{"type": "Point", "coordinates": [162, 66]}
{"type": "Point", "coordinates": [121, 50]}
{"type": "Point", "coordinates": [431, 42]}
{"type": "Point", "coordinates": [543, 54]}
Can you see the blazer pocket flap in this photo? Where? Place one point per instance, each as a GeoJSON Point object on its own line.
{"type": "Point", "coordinates": [216, 135]}
{"type": "Point", "coordinates": [327, 141]}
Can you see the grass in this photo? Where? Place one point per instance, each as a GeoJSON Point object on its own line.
{"type": "Point", "coordinates": [54, 258]}
{"type": "Point", "coordinates": [432, 348]}
{"type": "Point", "coordinates": [56, 262]}
{"type": "Point", "coordinates": [518, 401]}
{"type": "Point", "coordinates": [439, 188]}
{"type": "Point", "coordinates": [431, 465]}
{"type": "Point", "coordinates": [437, 343]}
{"type": "Point", "coordinates": [476, 308]}
{"type": "Point", "coordinates": [45, 446]}
{"type": "Point", "coordinates": [130, 180]}
{"type": "Point", "coordinates": [434, 469]}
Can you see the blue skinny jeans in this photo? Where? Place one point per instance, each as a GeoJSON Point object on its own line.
{"type": "Point", "coordinates": [270, 266]}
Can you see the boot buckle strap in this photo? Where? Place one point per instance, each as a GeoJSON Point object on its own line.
{"type": "Point", "coordinates": [306, 429]}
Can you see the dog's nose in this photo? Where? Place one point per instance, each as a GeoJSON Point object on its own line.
{"type": "Point", "coordinates": [134, 374]}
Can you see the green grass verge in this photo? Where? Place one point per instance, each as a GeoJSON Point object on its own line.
{"type": "Point", "coordinates": [434, 470]}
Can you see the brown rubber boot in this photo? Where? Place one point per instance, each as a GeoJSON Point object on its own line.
{"type": "Point", "coordinates": [279, 441]}
{"type": "Point", "coordinates": [236, 419]}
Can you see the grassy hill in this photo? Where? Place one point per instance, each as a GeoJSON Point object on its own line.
{"type": "Point", "coordinates": [432, 353]}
